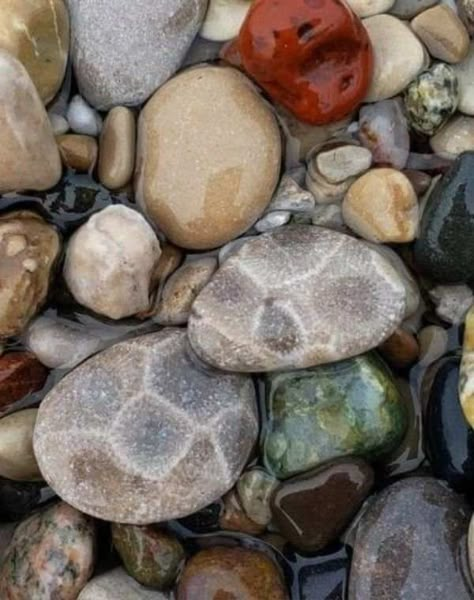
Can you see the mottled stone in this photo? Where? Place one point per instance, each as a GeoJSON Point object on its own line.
{"type": "Point", "coordinates": [117, 585]}
{"type": "Point", "coordinates": [20, 374]}
{"type": "Point", "coordinates": [224, 19]}
{"type": "Point", "coordinates": [465, 74]}
{"type": "Point", "coordinates": [291, 197]}
{"type": "Point", "coordinates": [144, 434]}
{"type": "Point", "coordinates": [17, 459]}
{"type": "Point", "coordinates": [329, 216]}
{"type": "Point", "coordinates": [298, 297]}
{"type": "Point", "coordinates": [400, 349]}
{"type": "Point", "coordinates": [50, 556]}
{"type": "Point", "coordinates": [222, 572]}
{"type": "Point", "coordinates": [149, 39]}
{"type": "Point", "coordinates": [151, 556]}
{"type": "Point", "coordinates": [452, 302]}
{"type": "Point", "coordinates": [255, 488]}
{"type": "Point", "coordinates": [368, 8]}
{"type": "Point", "coordinates": [311, 510]}
{"type": "Point", "coordinates": [36, 32]}
{"type": "Point", "coordinates": [82, 118]}
{"type": "Point", "coordinates": [208, 159]}
{"type": "Point", "coordinates": [234, 518]}
{"type": "Point", "coordinates": [432, 98]}
{"type": "Point", "coordinates": [29, 248]}
{"type": "Point", "coordinates": [342, 162]}
{"type": "Point", "coordinates": [110, 262]}
{"type": "Point", "coordinates": [456, 137]}
{"type": "Point", "coordinates": [29, 156]}
{"type": "Point", "coordinates": [410, 543]}
{"type": "Point", "coordinates": [407, 9]}
{"type": "Point", "coordinates": [117, 148]}
{"type": "Point", "coordinates": [78, 152]}
{"type": "Point", "coordinates": [351, 407]}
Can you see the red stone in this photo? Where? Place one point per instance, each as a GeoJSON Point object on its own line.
{"type": "Point", "coordinates": [314, 57]}
{"type": "Point", "coordinates": [20, 374]}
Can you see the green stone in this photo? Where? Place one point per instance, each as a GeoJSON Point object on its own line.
{"type": "Point", "coordinates": [352, 407]}
{"type": "Point", "coordinates": [151, 556]}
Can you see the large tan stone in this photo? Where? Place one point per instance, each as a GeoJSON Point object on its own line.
{"type": "Point", "coordinates": [36, 32]}
{"type": "Point", "coordinates": [209, 154]}
{"type": "Point", "coordinates": [29, 156]}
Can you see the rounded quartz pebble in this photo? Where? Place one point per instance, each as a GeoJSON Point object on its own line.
{"type": "Point", "coordinates": [141, 433]}
{"type": "Point", "coordinates": [117, 585]}
{"type": "Point", "coordinates": [299, 296]}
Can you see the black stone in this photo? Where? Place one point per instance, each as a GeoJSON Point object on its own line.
{"type": "Point", "coordinates": [18, 499]}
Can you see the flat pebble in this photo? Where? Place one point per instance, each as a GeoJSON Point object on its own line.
{"type": "Point", "coordinates": [465, 75]}
{"type": "Point", "coordinates": [456, 137]}
{"type": "Point", "coordinates": [82, 118]}
{"type": "Point", "coordinates": [117, 148]}
{"type": "Point", "coordinates": [224, 19]}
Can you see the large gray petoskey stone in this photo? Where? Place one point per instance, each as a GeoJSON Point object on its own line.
{"type": "Point", "coordinates": [294, 298]}
{"type": "Point", "coordinates": [141, 433]}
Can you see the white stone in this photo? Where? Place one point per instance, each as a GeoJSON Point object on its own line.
{"type": "Point", "coordinates": [117, 585]}
{"type": "Point", "coordinates": [342, 162]}
{"type": "Point", "coordinates": [368, 8]}
{"type": "Point", "coordinates": [224, 19]}
{"type": "Point", "coordinates": [110, 262]}
{"type": "Point", "coordinates": [452, 302]}
{"type": "Point", "coordinates": [83, 118]}
{"type": "Point", "coordinates": [272, 220]}
{"type": "Point", "coordinates": [465, 74]}
{"type": "Point", "coordinates": [456, 137]}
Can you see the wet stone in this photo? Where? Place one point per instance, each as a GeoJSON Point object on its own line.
{"type": "Point", "coordinates": [325, 576]}
{"type": "Point", "coordinates": [255, 488]}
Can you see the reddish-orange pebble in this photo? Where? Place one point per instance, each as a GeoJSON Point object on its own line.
{"type": "Point", "coordinates": [312, 56]}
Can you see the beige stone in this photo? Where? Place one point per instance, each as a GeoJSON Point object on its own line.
{"type": "Point", "coordinates": [368, 8]}
{"type": "Point", "coordinates": [399, 56]}
{"type": "Point", "coordinates": [208, 158]}
{"type": "Point", "coordinates": [456, 137]}
{"type": "Point", "coordinates": [117, 148]}
{"type": "Point", "coordinates": [465, 74]}
{"type": "Point", "coordinates": [17, 459]}
{"type": "Point", "coordinates": [36, 32]}
{"type": "Point", "coordinates": [29, 156]}
{"type": "Point", "coordinates": [78, 152]}
{"type": "Point", "coordinates": [224, 19]}
{"type": "Point", "coordinates": [339, 163]}
{"type": "Point", "coordinates": [29, 248]}
{"type": "Point", "coordinates": [443, 33]}
{"type": "Point", "coordinates": [381, 206]}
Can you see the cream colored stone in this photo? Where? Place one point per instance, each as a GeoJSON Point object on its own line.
{"type": "Point", "coordinates": [368, 8]}
{"type": "Point", "coordinates": [29, 156]}
{"type": "Point", "coordinates": [339, 163]}
{"type": "Point", "coordinates": [36, 32]}
{"type": "Point", "coordinates": [208, 157]}
{"type": "Point", "coordinates": [78, 152]}
{"type": "Point", "coordinates": [399, 56]}
{"type": "Point", "coordinates": [465, 74]}
{"type": "Point", "coordinates": [433, 341]}
{"type": "Point", "coordinates": [17, 459]}
{"type": "Point", "coordinates": [443, 33]}
{"type": "Point", "coordinates": [381, 206]}
{"type": "Point", "coordinates": [456, 137]}
{"type": "Point", "coordinates": [117, 148]}
{"type": "Point", "coordinates": [224, 19]}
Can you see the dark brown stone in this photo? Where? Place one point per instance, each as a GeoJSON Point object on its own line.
{"type": "Point", "coordinates": [20, 374]}
{"type": "Point", "coordinates": [401, 349]}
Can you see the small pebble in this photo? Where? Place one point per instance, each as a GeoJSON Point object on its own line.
{"type": "Point", "coordinates": [290, 197]}
{"type": "Point", "coordinates": [323, 191]}
{"type": "Point", "coordinates": [20, 374]}
{"type": "Point", "coordinates": [83, 118]}
{"type": "Point", "coordinates": [224, 19]}
{"type": "Point", "coordinates": [456, 137]}
{"type": "Point", "coordinates": [17, 459]}
{"type": "Point", "coordinates": [433, 341]}
{"type": "Point", "coordinates": [78, 152]}
{"type": "Point", "coordinates": [465, 74]}
{"type": "Point", "coordinates": [400, 349]}
{"type": "Point", "coordinates": [341, 163]}
{"type": "Point", "coordinates": [452, 302]}
{"type": "Point", "coordinates": [272, 220]}
{"type": "Point", "coordinates": [59, 124]}
{"type": "Point", "coordinates": [117, 585]}
{"type": "Point", "coordinates": [117, 148]}
{"type": "Point", "coordinates": [234, 518]}
{"type": "Point", "coordinates": [255, 488]}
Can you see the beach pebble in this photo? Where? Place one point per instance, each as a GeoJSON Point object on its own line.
{"type": "Point", "coordinates": [330, 216]}
{"type": "Point", "coordinates": [224, 19]}
{"type": "Point", "coordinates": [17, 460]}
{"type": "Point", "coordinates": [234, 518]}
{"type": "Point", "coordinates": [117, 148]}
{"type": "Point", "coordinates": [117, 585]}
{"type": "Point", "coordinates": [452, 302]}
{"type": "Point", "coordinates": [407, 9]}
{"type": "Point", "coordinates": [401, 349]}
{"type": "Point", "coordinates": [433, 341]}
{"type": "Point", "coordinates": [465, 75]}
{"type": "Point", "coordinates": [324, 192]}
{"type": "Point", "coordinates": [342, 162]}
{"type": "Point", "coordinates": [466, 14]}
{"type": "Point", "coordinates": [456, 137]}
{"type": "Point", "coordinates": [82, 118]}
{"type": "Point", "coordinates": [291, 197]}
{"type": "Point", "coordinates": [272, 220]}
{"type": "Point", "coordinates": [255, 489]}
{"type": "Point", "coordinates": [20, 374]}
{"type": "Point", "coordinates": [59, 124]}
{"type": "Point", "coordinates": [78, 152]}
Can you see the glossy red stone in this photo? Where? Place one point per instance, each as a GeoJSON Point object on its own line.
{"type": "Point", "coordinates": [311, 56]}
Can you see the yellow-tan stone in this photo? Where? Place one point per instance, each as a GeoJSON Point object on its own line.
{"type": "Point", "coordinates": [117, 148]}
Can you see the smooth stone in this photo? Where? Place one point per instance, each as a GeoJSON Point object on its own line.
{"type": "Point", "coordinates": [182, 288]}
{"type": "Point", "coordinates": [29, 248]}
{"type": "Point", "coordinates": [150, 41]}
{"type": "Point", "coordinates": [401, 349]}
{"type": "Point", "coordinates": [381, 206]}
{"type": "Point", "coordinates": [291, 307]}
{"type": "Point", "coordinates": [465, 75]}
{"type": "Point", "coordinates": [342, 162]}
{"type": "Point", "coordinates": [466, 372]}
{"type": "Point", "coordinates": [151, 556]}
{"type": "Point", "coordinates": [117, 585]}
{"type": "Point", "coordinates": [452, 302]}
{"type": "Point", "coordinates": [466, 14]}
{"type": "Point", "coordinates": [409, 544]}
{"type": "Point", "coordinates": [17, 459]}
{"type": "Point", "coordinates": [117, 148]}
{"type": "Point", "coordinates": [78, 152]}
{"type": "Point", "coordinates": [82, 118]}
{"type": "Point", "coordinates": [351, 407]}
{"type": "Point", "coordinates": [234, 518]}
{"type": "Point", "coordinates": [393, 69]}
{"type": "Point", "coordinates": [383, 129]}
{"type": "Point", "coordinates": [223, 572]}
{"type": "Point", "coordinates": [443, 33]}
{"type": "Point", "coordinates": [255, 488]}
{"type": "Point", "coordinates": [311, 510]}
{"type": "Point", "coordinates": [432, 98]}
{"type": "Point", "coordinates": [36, 32]}
{"type": "Point", "coordinates": [59, 345]}
{"type": "Point", "coordinates": [324, 191]}
{"type": "Point", "coordinates": [224, 19]}
{"type": "Point", "coordinates": [156, 436]}
{"type": "Point", "coordinates": [272, 220]}
{"type": "Point", "coordinates": [50, 556]}
{"type": "Point", "coordinates": [209, 155]}
{"type": "Point", "coordinates": [58, 123]}
{"type": "Point", "coordinates": [290, 196]}
{"type": "Point", "coordinates": [20, 374]}
{"type": "Point", "coordinates": [29, 156]}
{"type": "Point", "coordinates": [110, 262]}
{"type": "Point", "coordinates": [18, 499]}
{"type": "Point", "coordinates": [407, 9]}
{"type": "Point", "coordinates": [433, 341]}
{"type": "Point", "coordinates": [369, 8]}
{"type": "Point", "coordinates": [456, 137]}
{"type": "Point", "coordinates": [444, 250]}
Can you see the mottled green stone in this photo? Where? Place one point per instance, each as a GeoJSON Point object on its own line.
{"type": "Point", "coordinates": [352, 407]}
{"type": "Point", "coordinates": [151, 556]}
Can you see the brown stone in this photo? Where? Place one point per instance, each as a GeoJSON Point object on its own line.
{"type": "Point", "coordinates": [20, 374]}
{"type": "Point", "coordinates": [223, 573]}
{"type": "Point", "coordinates": [233, 516]}
{"type": "Point", "coordinates": [117, 148]}
{"type": "Point", "coordinates": [17, 459]}
{"type": "Point", "coordinates": [400, 349]}
{"type": "Point", "coordinates": [78, 152]}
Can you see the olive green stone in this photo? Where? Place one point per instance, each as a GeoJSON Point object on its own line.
{"type": "Point", "coordinates": [150, 555]}
{"type": "Point", "coordinates": [352, 407]}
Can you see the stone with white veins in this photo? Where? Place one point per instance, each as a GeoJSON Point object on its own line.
{"type": "Point", "coordinates": [295, 298]}
{"type": "Point", "coordinates": [142, 433]}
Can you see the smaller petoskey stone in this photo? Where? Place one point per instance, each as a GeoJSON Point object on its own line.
{"type": "Point", "coordinates": [142, 432]}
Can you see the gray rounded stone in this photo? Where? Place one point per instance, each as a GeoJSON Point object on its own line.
{"type": "Point", "coordinates": [294, 298]}
{"type": "Point", "coordinates": [141, 433]}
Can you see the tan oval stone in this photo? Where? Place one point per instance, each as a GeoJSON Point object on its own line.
{"type": "Point", "coordinates": [208, 159]}
{"type": "Point", "coordinates": [78, 152]}
{"type": "Point", "coordinates": [456, 137]}
{"type": "Point", "coordinates": [17, 459]}
{"type": "Point", "coordinates": [117, 148]}
{"type": "Point", "coordinates": [381, 206]}
{"type": "Point", "coordinates": [36, 32]}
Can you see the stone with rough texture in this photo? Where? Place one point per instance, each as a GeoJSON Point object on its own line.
{"type": "Point", "coordinates": [50, 556]}
{"type": "Point", "coordinates": [143, 46]}
{"type": "Point", "coordinates": [117, 148]}
{"type": "Point", "coordinates": [110, 261]}
{"type": "Point", "coordinates": [298, 297]}
{"type": "Point", "coordinates": [20, 374]}
{"type": "Point", "coordinates": [36, 32]}
{"type": "Point", "coordinates": [208, 159]}
{"type": "Point", "coordinates": [224, 19]}
{"type": "Point", "coordinates": [452, 302]}
{"type": "Point", "coordinates": [143, 433]}
{"type": "Point", "coordinates": [456, 137]}
{"type": "Point", "coordinates": [17, 460]}
{"type": "Point", "coordinates": [117, 585]}
{"type": "Point", "coordinates": [29, 156]}
{"type": "Point", "coordinates": [29, 248]}
{"type": "Point", "coordinates": [465, 75]}
{"type": "Point", "coordinates": [78, 152]}
{"type": "Point", "coordinates": [409, 544]}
